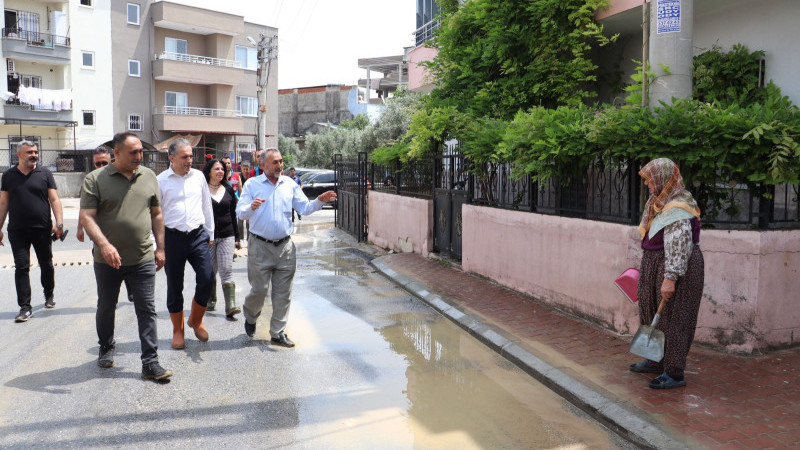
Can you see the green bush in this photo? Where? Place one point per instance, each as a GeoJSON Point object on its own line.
{"type": "Point", "coordinates": [753, 145]}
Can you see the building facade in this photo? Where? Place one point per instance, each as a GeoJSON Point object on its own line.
{"type": "Point", "coordinates": [50, 52]}
{"type": "Point", "coordinates": [183, 70]}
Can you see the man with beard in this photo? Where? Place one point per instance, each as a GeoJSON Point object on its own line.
{"type": "Point", "coordinates": [27, 195]}
{"type": "Point", "coordinates": [119, 208]}
{"type": "Point", "coordinates": [100, 159]}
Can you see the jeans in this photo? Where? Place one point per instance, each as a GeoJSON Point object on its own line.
{"type": "Point", "coordinates": [141, 280]}
{"type": "Point", "coordinates": [21, 241]}
{"type": "Point", "coordinates": [178, 249]}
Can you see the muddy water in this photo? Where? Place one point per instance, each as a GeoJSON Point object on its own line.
{"type": "Point", "coordinates": [405, 377]}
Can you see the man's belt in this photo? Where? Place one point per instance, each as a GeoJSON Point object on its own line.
{"type": "Point", "coordinates": [186, 233]}
{"type": "Point", "coordinates": [276, 242]}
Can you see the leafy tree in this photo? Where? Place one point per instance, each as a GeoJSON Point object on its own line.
{"type": "Point", "coordinates": [498, 57]}
{"type": "Point", "coordinates": [289, 150]}
{"type": "Point", "coordinates": [358, 122]}
{"type": "Point", "coordinates": [728, 77]}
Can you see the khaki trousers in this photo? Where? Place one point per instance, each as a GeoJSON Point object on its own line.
{"type": "Point", "coordinates": [267, 263]}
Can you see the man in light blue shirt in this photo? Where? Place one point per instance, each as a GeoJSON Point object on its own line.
{"type": "Point", "coordinates": [267, 202]}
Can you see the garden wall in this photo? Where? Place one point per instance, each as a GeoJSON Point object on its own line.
{"type": "Point", "coordinates": [751, 282]}
{"type": "Point", "coordinates": [402, 224]}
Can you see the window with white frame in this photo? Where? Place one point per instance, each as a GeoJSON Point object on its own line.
{"type": "Point", "coordinates": [88, 118]}
{"type": "Point", "coordinates": [176, 102]}
{"type": "Point", "coordinates": [31, 81]}
{"type": "Point", "coordinates": [135, 122]}
{"type": "Point", "coordinates": [87, 59]}
{"type": "Point", "coordinates": [134, 68]}
{"type": "Point", "coordinates": [247, 56]}
{"type": "Point", "coordinates": [176, 46]}
{"type": "Point", "coordinates": [247, 106]}
{"type": "Point", "coordinates": [89, 3]}
{"type": "Point", "coordinates": [133, 13]}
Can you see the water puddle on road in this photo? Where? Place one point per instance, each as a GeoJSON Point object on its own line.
{"type": "Point", "coordinates": [405, 377]}
{"type": "Point", "coordinates": [461, 392]}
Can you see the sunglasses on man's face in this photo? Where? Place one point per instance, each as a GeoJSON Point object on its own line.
{"type": "Point", "coordinates": [101, 163]}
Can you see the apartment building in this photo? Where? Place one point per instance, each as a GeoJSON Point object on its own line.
{"type": "Point", "coordinates": [50, 51]}
{"type": "Point", "coordinates": [182, 70]}
{"type": "Point", "coordinates": [768, 25]}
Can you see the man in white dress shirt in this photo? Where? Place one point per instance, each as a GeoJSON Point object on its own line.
{"type": "Point", "coordinates": [267, 202]}
{"type": "Point", "coordinates": [189, 228]}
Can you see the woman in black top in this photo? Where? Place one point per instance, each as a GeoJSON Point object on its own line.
{"type": "Point", "coordinates": [226, 235]}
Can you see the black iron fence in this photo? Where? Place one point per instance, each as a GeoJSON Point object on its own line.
{"type": "Point", "coordinates": [413, 179]}
{"type": "Point", "coordinates": [601, 192]}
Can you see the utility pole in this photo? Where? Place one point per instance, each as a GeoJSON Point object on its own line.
{"type": "Point", "coordinates": [267, 52]}
{"type": "Point", "coordinates": [671, 27]}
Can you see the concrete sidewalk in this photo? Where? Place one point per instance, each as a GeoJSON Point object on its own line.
{"type": "Point", "coordinates": [729, 402]}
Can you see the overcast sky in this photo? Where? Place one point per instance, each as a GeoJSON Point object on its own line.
{"type": "Point", "coordinates": [320, 41]}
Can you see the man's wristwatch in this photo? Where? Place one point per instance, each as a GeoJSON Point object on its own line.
{"type": "Point", "coordinates": [60, 226]}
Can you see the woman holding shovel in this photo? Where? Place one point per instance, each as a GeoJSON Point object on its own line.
{"type": "Point", "coordinates": [672, 269]}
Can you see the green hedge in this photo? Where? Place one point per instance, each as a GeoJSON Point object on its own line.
{"type": "Point", "coordinates": [757, 144]}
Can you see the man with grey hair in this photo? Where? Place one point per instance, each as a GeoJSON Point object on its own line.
{"type": "Point", "coordinates": [267, 202]}
{"type": "Point", "coordinates": [189, 232]}
{"type": "Point", "coordinates": [27, 195]}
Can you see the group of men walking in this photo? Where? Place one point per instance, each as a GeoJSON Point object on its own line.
{"type": "Point", "coordinates": [140, 222]}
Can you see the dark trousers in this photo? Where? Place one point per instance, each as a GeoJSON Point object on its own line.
{"type": "Point", "coordinates": [140, 279]}
{"type": "Point", "coordinates": [21, 241]}
{"type": "Point", "coordinates": [180, 248]}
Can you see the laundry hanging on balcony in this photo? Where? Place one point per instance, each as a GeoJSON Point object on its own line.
{"type": "Point", "coordinates": [45, 99]}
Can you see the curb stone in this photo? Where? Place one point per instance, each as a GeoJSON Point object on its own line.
{"type": "Point", "coordinates": [631, 426]}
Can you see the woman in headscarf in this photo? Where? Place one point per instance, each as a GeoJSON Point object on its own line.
{"type": "Point", "coordinates": [672, 268]}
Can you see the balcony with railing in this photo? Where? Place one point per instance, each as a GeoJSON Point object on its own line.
{"type": "Point", "coordinates": [424, 33]}
{"type": "Point", "coordinates": [195, 69]}
{"type": "Point", "coordinates": [36, 46]}
{"type": "Point", "coordinates": [186, 118]}
{"type": "Point", "coordinates": [36, 104]}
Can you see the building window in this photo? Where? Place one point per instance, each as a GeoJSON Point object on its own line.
{"type": "Point", "coordinates": [31, 81]}
{"type": "Point", "coordinates": [133, 13]}
{"type": "Point", "coordinates": [176, 103]}
{"type": "Point", "coordinates": [89, 3]}
{"type": "Point", "coordinates": [134, 68]}
{"type": "Point", "coordinates": [135, 122]}
{"type": "Point", "coordinates": [176, 46]}
{"type": "Point", "coordinates": [247, 56]}
{"type": "Point", "coordinates": [88, 118]}
{"type": "Point", "coordinates": [247, 106]}
{"type": "Point", "coordinates": [87, 59]}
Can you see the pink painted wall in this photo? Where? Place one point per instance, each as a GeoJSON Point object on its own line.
{"type": "Point", "coordinates": [752, 279]}
{"type": "Point", "coordinates": [617, 6]}
{"type": "Point", "coordinates": [399, 223]}
{"type": "Point", "coordinates": [418, 79]}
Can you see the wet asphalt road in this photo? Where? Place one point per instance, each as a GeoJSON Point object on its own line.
{"type": "Point", "coordinates": [373, 368]}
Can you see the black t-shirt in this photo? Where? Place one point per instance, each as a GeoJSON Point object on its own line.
{"type": "Point", "coordinates": [28, 200]}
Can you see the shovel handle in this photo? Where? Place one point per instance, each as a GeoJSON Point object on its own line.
{"type": "Point", "coordinates": [657, 317]}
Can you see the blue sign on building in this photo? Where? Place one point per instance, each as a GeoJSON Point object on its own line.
{"type": "Point", "coordinates": [669, 16]}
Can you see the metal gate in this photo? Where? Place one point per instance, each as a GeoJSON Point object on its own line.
{"type": "Point", "coordinates": [351, 189]}
{"type": "Point", "coordinates": [450, 190]}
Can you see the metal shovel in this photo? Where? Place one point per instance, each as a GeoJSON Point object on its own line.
{"type": "Point", "coordinates": [649, 342]}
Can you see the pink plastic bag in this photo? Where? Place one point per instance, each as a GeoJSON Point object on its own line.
{"type": "Point", "coordinates": [628, 283]}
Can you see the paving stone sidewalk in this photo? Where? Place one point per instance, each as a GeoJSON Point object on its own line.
{"type": "Point", "coordinates": [730, 401]}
